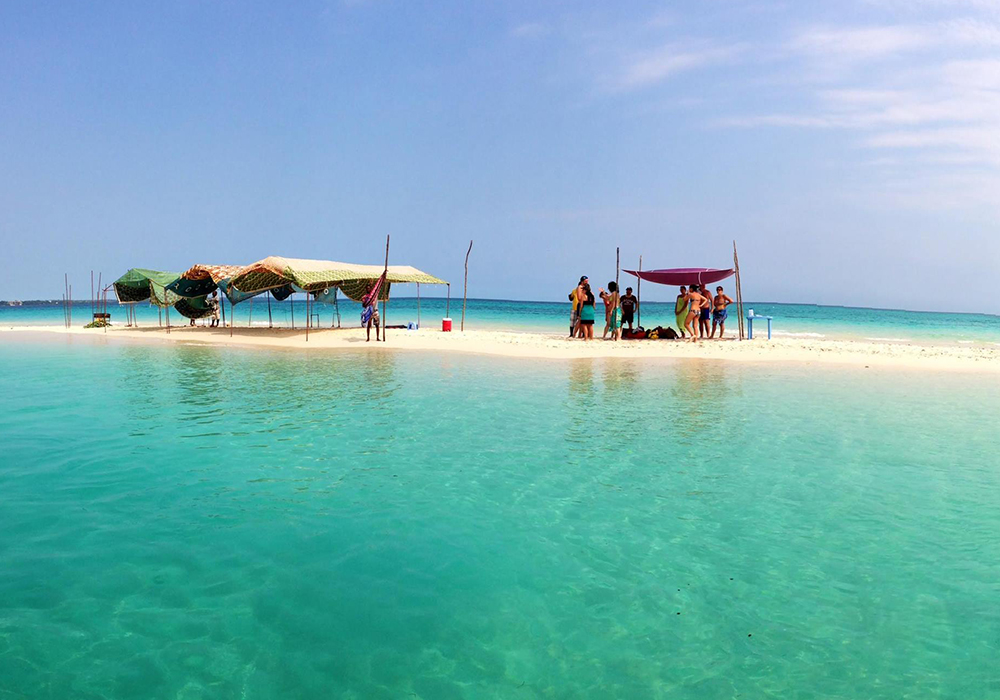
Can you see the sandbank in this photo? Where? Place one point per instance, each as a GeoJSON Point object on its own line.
{"type": "Point", "coordinates": [554, 346]}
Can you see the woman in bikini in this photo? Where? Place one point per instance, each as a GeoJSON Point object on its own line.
{"type": "Point", "coordinates": [696, 301]}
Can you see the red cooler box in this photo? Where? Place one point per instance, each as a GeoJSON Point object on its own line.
{"type": "Point", "coordinates": [446, 325]}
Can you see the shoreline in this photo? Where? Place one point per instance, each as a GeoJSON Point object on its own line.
{"type": "Point", "coordinates": [551, 346]}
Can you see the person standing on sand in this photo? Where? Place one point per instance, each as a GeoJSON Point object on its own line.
{"type": "Point", "coordinates": [373, 319]}
{"type": "Point", "coordinates": [587, 313]}
{"type": "Point", "coordinates": [628, 304]}
{"type": "Point", "coordinates": [610, 299]}
{"type": "Point", "coordinates": [213, 303]}
{"type": "Point", "coordinates": [698, 303]}
{"type": "Point", "coordinates": [681, 308]}
{"type": "Point", "coordinates": [705, 315]}
{"type": "Point", "coordinates": [576, 298]}
{"type": "Point", "coordinates": [720, 312]}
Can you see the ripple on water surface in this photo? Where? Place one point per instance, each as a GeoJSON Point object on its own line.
{"type": "Point", "coordinates": [199, 522]}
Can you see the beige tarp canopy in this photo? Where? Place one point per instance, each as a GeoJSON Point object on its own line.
{"type": "Point", "coordinates": [316, 275]}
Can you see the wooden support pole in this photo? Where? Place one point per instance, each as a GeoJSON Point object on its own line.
{"type": "Point", "coordinates": [270, 324]}
{"type": "Point", "coordinates": [638, 296]}
{"type": "Point", "coordinates": [418, 305]}
{"type": "Point", "coordinates": [232, 318]}
{"type": "Point", "coordinates": [465, 291]}
{"type": "Point", "coordinates": [447, 305]}
{"type": "Point", "coordinates": [250, 318]}
{"type": "Point", "coordinates": [308, 317]}
{"type": "Point", "coordinates": [618, 291]}
{"type": "Point", "coordinates": [739, 289]}
{"type": "Point", "coordinates": [291, 300]}
{"type": "Point", "coordinates": [91, 295]}
{"type": "Point", "coordinates": [385, 320]}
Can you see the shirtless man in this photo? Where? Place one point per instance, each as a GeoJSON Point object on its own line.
{"type": "Point", "coordinates": [720, 311]}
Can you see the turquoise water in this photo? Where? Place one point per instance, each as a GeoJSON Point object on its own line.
{"type": "Point", "coordinates": [803, 320]}
{"type": "Point", "coordinates": [185, 522]}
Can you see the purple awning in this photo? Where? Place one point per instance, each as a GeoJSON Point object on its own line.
{"type": "Point", "coordinates": [682, 275]}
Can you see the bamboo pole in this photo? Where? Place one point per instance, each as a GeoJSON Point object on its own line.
{"type": "Point", "coordinates": [71, 305]}
{"type": "Point", "coordinates": [465, 290]}
{"type": "Point", "coordinates": [638, 296]}
{"type": "Point", "coordinates": [91, 295]}
{"type": "Point", "coordinates": [618, 292]}
{"type": "Point", "coordinates": [269, 323]}
{"type": "Point", "coordinates": [385, 303]}
{"type": "Point", "coordinates": [166, 311]}
{"type": "Point", "coordinates": [291, 300]}
{"type": "Point", "coordinates": [739, 289]}
{"type": "Point", "coordinates": [232, 318]}
{"type": "Point", "coordinates": [418, 305]}
{"type": "Point", "coordinates": [222, 308]}
{"type": "Point", "coordinates": [308, 317]}
{"type": "Point", "coordinates": [447, 306]}
{"type": "Point", "coordinates": [250, 318]}
{"type": "Point", "coordinates": [336, 307]}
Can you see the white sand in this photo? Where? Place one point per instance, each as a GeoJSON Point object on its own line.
{"type": "Point", "coordinates": [980, 358]}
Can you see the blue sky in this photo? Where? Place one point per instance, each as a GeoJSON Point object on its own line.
{"type": "Point", "coordinates": [852, 148]}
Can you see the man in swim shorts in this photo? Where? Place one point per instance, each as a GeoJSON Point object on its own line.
{"type": "Point", "coordinates": [628, 306]}
{"type": "Point", "coordinates": [705, 312]}
{"type": "Point", "coordinates": [720, 311]}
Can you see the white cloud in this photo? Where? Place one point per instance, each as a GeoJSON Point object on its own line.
{"type": "Point", "coordinates": [656, 66]}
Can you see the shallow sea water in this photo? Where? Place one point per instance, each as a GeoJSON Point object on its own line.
{"type": "Point", "coordinates": [184, 522]}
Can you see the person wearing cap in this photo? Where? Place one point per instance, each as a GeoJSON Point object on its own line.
{"type": "Point", "coordinates": [576, 297]}
{"type": "Point", "coordinates": [628, 305]}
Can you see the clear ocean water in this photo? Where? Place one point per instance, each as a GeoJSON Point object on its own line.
{"type": "Point", "coordinates": [189, 522]}
{"type": "Point", "coordinates": [801, 320]}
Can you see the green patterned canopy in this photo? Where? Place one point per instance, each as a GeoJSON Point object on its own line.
{"type": "Point", "coordinates": [140, 284]}
{"type": "Point", "coordinates": [315, 275]}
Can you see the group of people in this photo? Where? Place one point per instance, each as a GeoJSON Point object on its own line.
{"type": "Point", "coordinates": [695, 308]}
{"type": "Point", "coordinates": [618, 310]}
{"type": "Point", "coordinates": [699, 314]}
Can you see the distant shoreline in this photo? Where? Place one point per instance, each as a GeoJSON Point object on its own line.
{"type": "Point", "coordinates": [5, 303]}
{"type": "Point", "coordinates": [550, 346]}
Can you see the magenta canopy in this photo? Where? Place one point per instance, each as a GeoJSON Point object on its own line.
{"type": "Point", "coordinates": [683, 275]}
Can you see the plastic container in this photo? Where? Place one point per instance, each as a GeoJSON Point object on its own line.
{"type": "Point", "coordinates": [446, 325]}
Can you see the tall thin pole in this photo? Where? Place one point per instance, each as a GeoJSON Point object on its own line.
{"type": "Point", "coordinates": [739, 289]}
{"type": "Point", "coordinates": [385, 303]}
{"type": "Point", "coordinates": [269, 323]}
{"type": "Point", "coordinates": [465, 291]}
{"type": "Point", "coordinates": [618, 294]}
{"type": "Point", "coordinates": [167, 310]}
{"type": "Point", "coordinates": [91, 295]}
{"type": "Point", "coordinates": [232, 318]}
{"type": "Point", "coordinates": [250, 318]}
{"type": "Point", "coordinates": [308, 317]}
{"type": "Point", "coordinates": [638, 296]}
{"type": "Point", "coordinates": [447, 306]}
{"type": "Point", "coordinates": [336, 307]}
{"type": "Point", "coordinates": [291, 300]}
{"type": "Point", "coordinates": [71, 305]}
{"type": "Point", "coordinates": [222, 307]}
{"type": "Point", "coordinates": [418, 305]}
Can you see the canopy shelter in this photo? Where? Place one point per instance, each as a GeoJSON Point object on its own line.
{"type": "Point", "coordinates": [140, 284]}
{"type": "Point", "coordinates": [679, 276]}
{"type": "Point", "coordinates": [352, 279]}
{"type": "Point", "coordinates": [200, 280]}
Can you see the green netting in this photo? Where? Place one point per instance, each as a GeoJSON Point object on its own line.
{"type": "Point", "coordinates": [193, 307]}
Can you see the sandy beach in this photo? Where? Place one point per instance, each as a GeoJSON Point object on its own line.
{"type": "Point", "coordinates": [552, 346]}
